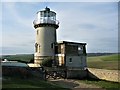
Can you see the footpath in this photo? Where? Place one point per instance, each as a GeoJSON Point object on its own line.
{"type": "Point", "coordinates": [75, 84]}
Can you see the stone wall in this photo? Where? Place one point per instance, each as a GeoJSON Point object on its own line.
{"type": "Point", "coordinates": [79, 74]}
{"type": "Point", "coordinates": [22, 72]}
{"type": "Point", "coordinates": [109, 75]}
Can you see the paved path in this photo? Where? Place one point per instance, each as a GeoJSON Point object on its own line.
{"type": "Point", "coordinates": [73, 84]}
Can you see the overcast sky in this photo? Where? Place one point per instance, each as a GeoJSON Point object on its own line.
{"type": "Point", "coordinates": [94, 23]}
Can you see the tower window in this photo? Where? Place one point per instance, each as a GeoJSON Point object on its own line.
{"type": "Point", "coordinates": [37, 47]}
{"type": "Point", "coordinates": [37, 32]}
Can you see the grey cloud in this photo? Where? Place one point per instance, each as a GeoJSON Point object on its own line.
{"type": "Point", "coordinates": [103, 45]}
{"type": "Point", "coordinates": [84, 22]}
{"type": "Point", "coordinates": [87, 26]}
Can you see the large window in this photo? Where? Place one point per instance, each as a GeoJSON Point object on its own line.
{"type": "Point", "coordinates": [71, 50]}
{"type": "Point", "coordinates": [70, 60]}
{"type": "Point", "coordinates": [80, 50]}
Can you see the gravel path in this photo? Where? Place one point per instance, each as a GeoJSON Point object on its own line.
{"type": "Point", "coordinates": [74, 84]}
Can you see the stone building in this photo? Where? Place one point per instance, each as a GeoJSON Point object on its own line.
{"type": "Point", "coordinates": [71, 54]}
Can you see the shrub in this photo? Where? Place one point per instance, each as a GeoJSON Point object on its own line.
{"type": "Point", "coordinates": [47, 62]}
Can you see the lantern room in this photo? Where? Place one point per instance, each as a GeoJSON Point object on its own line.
{"type": "Point", "coordinates": [46, 17]}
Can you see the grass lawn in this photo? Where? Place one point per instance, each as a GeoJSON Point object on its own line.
{"type": "Point", "coordinates": [30, 83]}
{"type": "Point", "coordinates": [104, 62]}
{"type": "Point", "coordinates": [104, 84]}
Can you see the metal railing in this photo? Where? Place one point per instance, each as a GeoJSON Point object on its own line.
{"type": "Point", "coordinates": [45, 21]}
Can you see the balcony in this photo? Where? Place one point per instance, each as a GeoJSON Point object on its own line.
{"type": "Point", "coordinates": [46, 21]}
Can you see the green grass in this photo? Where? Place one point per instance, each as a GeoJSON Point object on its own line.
{"type": "Point", "coordinates": [22, 57]}
{"type": "Point", "coordinates": [114, 57]}
{"type": "Point", "coordinates": [104, 62]}
{"type": "Point", "coordinates": [31, 83]}
{"type": "Point", "coordinates": [104, 84]}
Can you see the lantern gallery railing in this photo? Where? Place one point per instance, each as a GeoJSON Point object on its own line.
{"type": "Point", "coordinates": [45, 21]}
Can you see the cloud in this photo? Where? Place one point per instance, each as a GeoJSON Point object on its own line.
{"type": "Point", "coordinates": [90, 23]}
{"type": "Point", "coordinates": [17, 32]}
{"type": "Point", "coordinates": [87, 26]}
{"type": "Point", "coordinates": [15, 50]}
{"type": "Point", "coordinates": [93, 23]}
{"type": "Point", "coordinates": [107, 45]}
{"type": "Point", "coordinates": [11, 7]}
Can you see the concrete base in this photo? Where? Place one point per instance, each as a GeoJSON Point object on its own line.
{"type": "Point", "coordinates": [103, 74]}
{"type": "Point", "coordinates": [39, 59]}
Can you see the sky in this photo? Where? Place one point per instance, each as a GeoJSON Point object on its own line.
{"type": "Point", "coordinates": [94, 23]}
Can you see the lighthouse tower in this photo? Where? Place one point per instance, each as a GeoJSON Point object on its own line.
{"type": "Point", "coordinates": [45, 26]}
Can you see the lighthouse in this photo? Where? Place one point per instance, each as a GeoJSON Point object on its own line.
{"type": "Point", "coordinates": [45, 26]}
{"type": "Point", "coordinates": [66, 56]}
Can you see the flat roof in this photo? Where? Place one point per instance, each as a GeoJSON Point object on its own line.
{"type": "Point", "coordinates": [69, 42]}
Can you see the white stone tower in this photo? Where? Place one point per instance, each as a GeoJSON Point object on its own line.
{"type": "Point", "coordinates": [45, 26]}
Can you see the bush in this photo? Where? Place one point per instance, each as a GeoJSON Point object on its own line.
{"type": "Point", "coordinates": [47, 62]}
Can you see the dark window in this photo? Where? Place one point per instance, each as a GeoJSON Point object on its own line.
{"type": "Point", "coordinates": [37, 32]}
{"type": "Point", "coordinates": [80, 50]}
{"type": "Point", "coordinates": [84, 49]}
{"type": "Point", "coordinates": [36, 45]}
{"type": "Point", "coordinates": [58, 49]}
{"type": "Point", "coordinates": [52, 45]}
{"type": "Point", "coordinates": [39, 48]}
{"type": "Point", "coordinates": [71, 49]}
{"type": "Point", "coordinates": [70, 59]}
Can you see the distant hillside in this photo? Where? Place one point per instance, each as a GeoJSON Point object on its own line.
{"type": "Point", "coordinates": [104, 62]}
{"type": "Point", "coordinates": [19, 57]}
{"type": "Point", "coordinates": [99, 54]}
